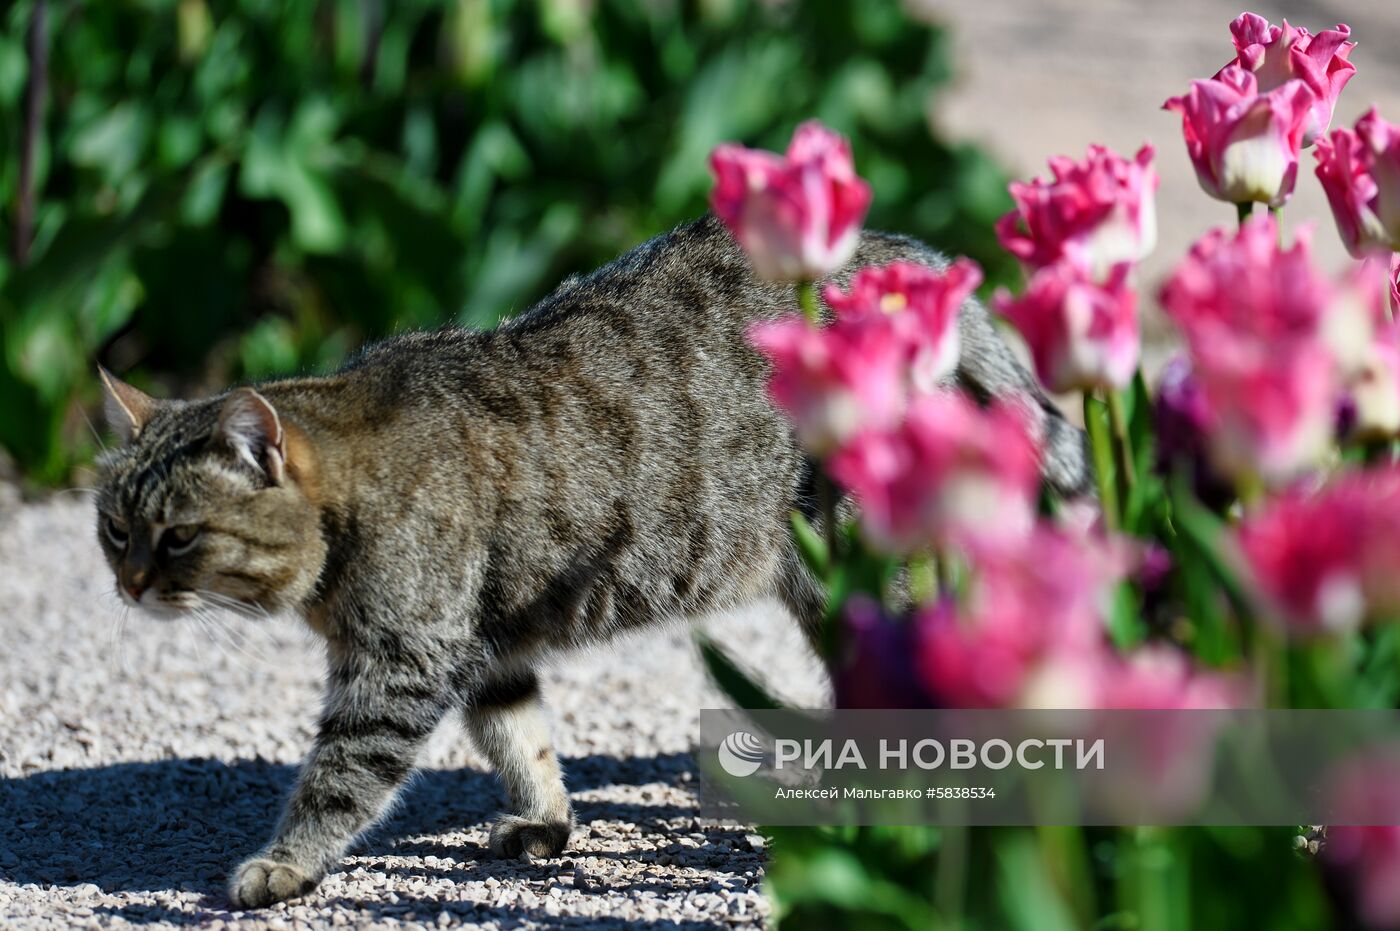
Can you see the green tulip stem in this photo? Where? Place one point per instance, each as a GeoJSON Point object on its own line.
{"type": "Point", "coordinates": [1102, 446]}
{"type": "Point", "coordinates": [807, 300]}
{"type": "Point", "coordinates": [1122, 444]}
{"type": "Point", "coordinates": [1245, 209]}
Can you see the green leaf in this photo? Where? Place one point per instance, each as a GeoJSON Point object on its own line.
{"type": "Point", "coordinates": [810, 545]}
{"type": "Point", "coordinates": [205, 194]}
{"type": "Point", "coordinates": [1377, 681]}
{"type": "Point", "coordinates": [114, 142]}
{"type": "Point", "coordinates": [732, 680]}
{"type": "Point", "coordinates": [269, 348]}
{"type": "Point", "coordinates": [1125, 623]}
{"type": "Point", "coordinates": [286, 165]}
{"type": "Point", "coordinates": [1204, 532]}
{"type": "Point", "coordinates": [1028, 893]}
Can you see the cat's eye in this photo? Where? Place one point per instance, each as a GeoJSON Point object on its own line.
{"type": "Point", "coordinates": [180, 538]}
{"type": "Point", "coordinates": [115, 532]}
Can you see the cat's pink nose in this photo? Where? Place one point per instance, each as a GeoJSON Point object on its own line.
{"type": "Point", "coordinates": [135, 581]}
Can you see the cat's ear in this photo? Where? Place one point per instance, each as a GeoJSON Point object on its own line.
{"type": "Point", "coordinates": [249, 425]}
{"type": "Point", "coordinates": [127, 409]}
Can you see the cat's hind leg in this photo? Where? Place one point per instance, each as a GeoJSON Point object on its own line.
{"type": "Point", "coordinates": [506, 720]}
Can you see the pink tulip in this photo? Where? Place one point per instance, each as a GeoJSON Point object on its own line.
{"type": "Point", "coordinates": [1244, 144]}
{"type": "Point", "coordinates": [1325, 561]}
{"type": "Point", "coordinates": [1033, 606]}
{"type": "Point", "coordinates": [1278, 54]}
{"type": "Point", "coordinates": [1081, 335]}
{"type": "Point", "coordinates": [1241, 291]}
{"type": "Point", "coordinates": [1242, 285]}
{"type": "Point", "coordinates": [1267, 340]}
{"type": "Point", "coordinates": [1162, 679]}
{"type": "Point", "coordinates": [1093, 214]}
{"type": "Point", "coordinates": [920, 304]}
{"type": "Point", "coordinates": [1304, 560]}
{"type": "Point", "coordinates": [1394, 279]}
{"type": "Point", "coordinates": [1151, 679]}
{"type": "Point", "coordinates": [1162, 763]}
{"type": "Point", "coordinates": [1360, 171]}
{"type": "Point", "coordinates": [1369, 855]}
{"type": "Point", "coordinates": [1375, 391]}
{"type": "Point", "coordinates": [833, 381]}
{"type": "Point", "coordinates": [951, 469]}
{"type": "Point", "coordinates": [797, 215]}
{"type": "Point", "coordinates": [1362, 848]}
{"type": "Point", "coordinates": [1029, 633]}
{"type": "Point", "coordinates": [1372, 371]}
{"type": "Point", "coordinates": [1271, 420]}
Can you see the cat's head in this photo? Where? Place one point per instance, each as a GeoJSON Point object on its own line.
{"type": "Point", "coordinates": [207, 503]}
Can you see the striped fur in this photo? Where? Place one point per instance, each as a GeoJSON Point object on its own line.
{"type": "Point", "coordinates": [452, 506]}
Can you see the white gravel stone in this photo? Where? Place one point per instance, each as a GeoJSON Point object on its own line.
{"type": "Point", "coordinates": [141, 759]}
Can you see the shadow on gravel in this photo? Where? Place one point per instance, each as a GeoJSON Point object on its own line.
{"type": "Point", "coordinates": [182, 824]}
{"type": "Point", "coordinates": [463, 914]}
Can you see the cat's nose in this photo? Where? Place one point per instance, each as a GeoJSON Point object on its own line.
{"type": "Point", "coordinates": [136, 583]}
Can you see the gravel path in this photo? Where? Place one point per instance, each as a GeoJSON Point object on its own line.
{"type": "Point", "coordinates": [140, 760]}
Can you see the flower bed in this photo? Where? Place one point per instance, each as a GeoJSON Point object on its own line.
{"type": "Point", "coordinates": [1242, 546]}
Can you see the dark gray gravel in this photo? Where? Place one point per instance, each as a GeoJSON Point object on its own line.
{"type": "Point", "coordinates": [140, 760]}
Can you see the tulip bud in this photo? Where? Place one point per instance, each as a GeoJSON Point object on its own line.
{"type": "Point", "coordinates": [1093, 214]}
{"type": "Point", "coordinates": [1243, 144]}
{"type": "Point", "coordinates": [1360, 172]}
{"type": "Point", "coordinates": [1278, 54]}
{"type": "Point", "coordinates": [1265, 331]}
{"type": "Point", "coordinates": [950, 470]}
{"type": "Point", "coordinates": [920, 305]}
{"type": "Point", "coordinates": [1082, 335]}
{"type": "Point", "coordinates": [832, 381]}
{"type": "Point", "coordinates": [797, 215]}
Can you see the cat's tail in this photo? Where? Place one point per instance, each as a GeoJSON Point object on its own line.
{"type": "Point", "coordinates": [989, 369]}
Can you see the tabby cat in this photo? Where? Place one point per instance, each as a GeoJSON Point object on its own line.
{"type": "Point", "coordinates": [453, 505]}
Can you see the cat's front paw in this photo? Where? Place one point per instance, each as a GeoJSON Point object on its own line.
{"type": "Point", "coordinates": [512, 835]}
{"type": "Point", "coordinates": [261, 882]}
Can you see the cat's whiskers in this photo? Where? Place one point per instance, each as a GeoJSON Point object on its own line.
{"type": "Point", "coordinates": [209, 628]}
{"type": "Point", "coordinates": [93, 430]}
{"type": "Point", "coordinates": [228, 641]}
{"type": "Point", "coordinates": [229, 603]}
{"type": "Point", "coordinates": [117, 639]}
{"type": "Point", "coordinates": [198, 646]}
{"type": "Point", "coordinates": [77, 489]}
{"type": "Point", "coordinates": [222, 635]}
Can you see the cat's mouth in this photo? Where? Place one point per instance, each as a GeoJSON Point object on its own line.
{"type": "Point", "coordinates": [177, 603]}
{"type": "Point", "coordinates": [162, 604]}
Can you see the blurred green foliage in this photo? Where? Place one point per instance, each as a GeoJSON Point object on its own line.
{"type": "Point", "coordinates": [235, 190]}
{"type": "Point", "coordinates": [1044, 879]}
